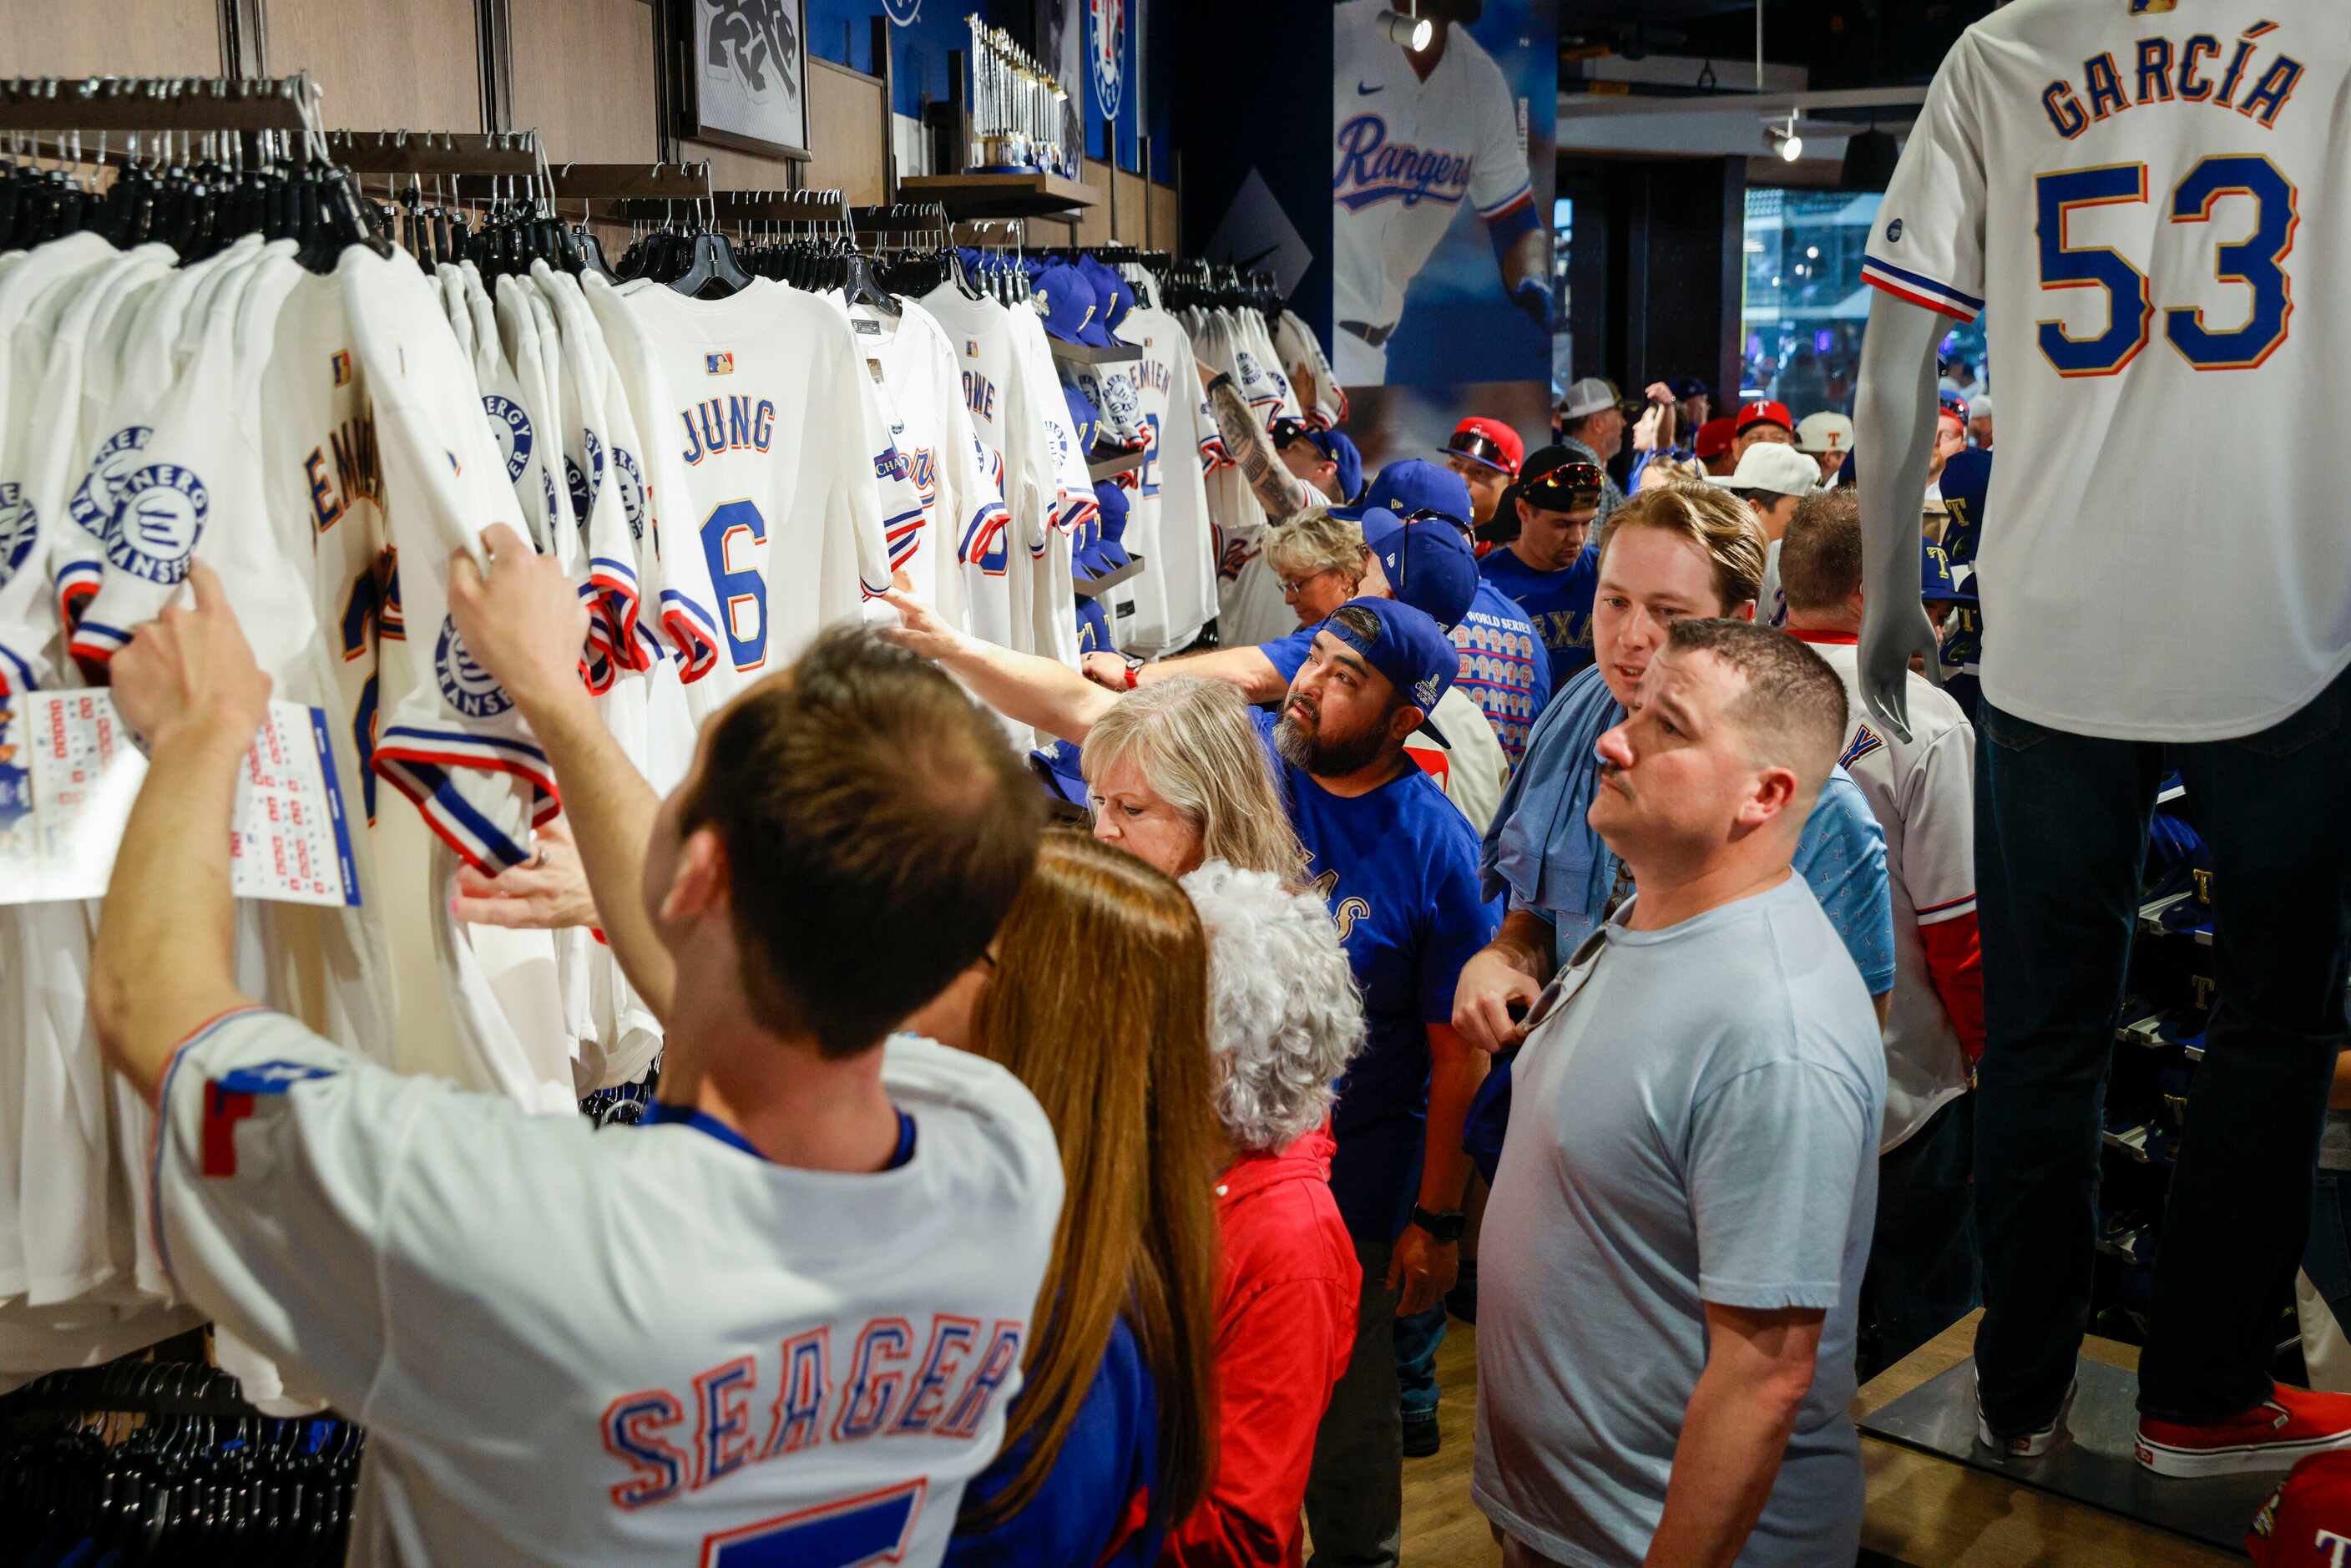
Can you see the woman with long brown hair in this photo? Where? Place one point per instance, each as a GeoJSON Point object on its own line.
{"type": "Point", "coordinates": [1095, 995]}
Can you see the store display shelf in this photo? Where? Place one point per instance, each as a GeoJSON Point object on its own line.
{"type": "Point", "coordinates": [1001, 195]}
{"type": "Point", "coordinates": [1095, 587]}
{"type": "Point", "coordinates": [1087, 354]}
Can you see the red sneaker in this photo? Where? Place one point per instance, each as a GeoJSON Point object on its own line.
{"type": "Point", "coordinates": [2271, 1436]}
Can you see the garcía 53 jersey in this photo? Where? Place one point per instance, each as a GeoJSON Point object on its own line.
{"type": "Point", "coordinates": [2149, 202]}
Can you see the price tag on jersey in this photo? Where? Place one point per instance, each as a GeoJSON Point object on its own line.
{"type": "Point", "coordinates": [69, 774]}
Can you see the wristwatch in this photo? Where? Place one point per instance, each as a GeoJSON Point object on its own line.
{"type": "Point", "coordinates": [1447, 1226]}
{"type": "Point", "coordinates": [1134, 663]}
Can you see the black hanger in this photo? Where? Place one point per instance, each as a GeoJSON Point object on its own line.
{"type": "Point", "coordinates": [714, 272]}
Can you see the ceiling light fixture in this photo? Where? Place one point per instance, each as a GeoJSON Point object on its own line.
{"type": "Point", "coordinates": [1407, 30]}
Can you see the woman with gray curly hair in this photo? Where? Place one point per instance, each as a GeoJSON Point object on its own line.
{"type": "Point", "coordinates": [1284, 1016]}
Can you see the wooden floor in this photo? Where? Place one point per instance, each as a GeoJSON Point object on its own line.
{"type": "Point", "coordinates": [1442, 1528]}
{"type": "Point", "coordinates": [1924, 1512]}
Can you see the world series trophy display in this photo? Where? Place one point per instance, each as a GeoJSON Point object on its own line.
{"type": "Point", "coordinates": [1017, 109]}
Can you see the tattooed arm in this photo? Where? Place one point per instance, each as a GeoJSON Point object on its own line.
{"type": "Point", "coordinates": [1276, 489]}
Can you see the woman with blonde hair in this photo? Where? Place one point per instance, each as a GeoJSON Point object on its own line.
{"type": "Point", "coordinates": [1178, 776]}
{"type": "Point", "coordinates": [1094, 994]}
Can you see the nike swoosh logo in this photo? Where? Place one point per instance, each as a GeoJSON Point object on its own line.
{"type": "Point", "coordinates": [1362, 91]}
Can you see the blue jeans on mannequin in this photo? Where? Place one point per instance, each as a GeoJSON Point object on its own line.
{"type": "Point", "coordinates": [2060, 838]}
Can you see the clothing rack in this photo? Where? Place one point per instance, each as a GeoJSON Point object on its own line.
{"type": "Point", "coordinates": [632, 182]}
{"type": "Point", "coordinates": [159, 103]}
{"type": "Point", "coordinates": [925, 220]}
{"type": "Point", "coordinates": [512, 154]}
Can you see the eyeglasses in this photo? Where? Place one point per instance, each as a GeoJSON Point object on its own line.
{"type": "Point", "coordinates": [1479, 447]}
{"type": "Point", "coordinates": [1294, 586]}
{"type": "Point", "coordinates": [1570, 488]}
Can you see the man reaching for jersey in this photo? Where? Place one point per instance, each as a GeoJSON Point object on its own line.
{"type": "Point", "coordinates": [851, 835]}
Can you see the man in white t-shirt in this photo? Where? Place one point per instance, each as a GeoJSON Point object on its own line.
{"type": "Point", "coordinates": [1921, 788]}
{"type": "Point", "coordinates": [789, 1313]}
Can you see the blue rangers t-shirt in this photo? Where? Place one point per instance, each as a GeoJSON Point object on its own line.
{"type": "Point", "coordinates": [1503, 667]}
{"type": "Point", "coordinates": [1558, 603]}
{"type": "Point", "coordinates": [1398, 868]}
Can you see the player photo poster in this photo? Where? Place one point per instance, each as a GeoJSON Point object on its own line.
{"type": "Point", "coordinates": [1061, 35]}
{"type": "Point", "coordinates": [746, 69]}
{"type": "Point", "coordinates": [1442, 175]}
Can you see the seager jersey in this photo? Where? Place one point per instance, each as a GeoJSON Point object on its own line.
{"type": "Point", "coordinates": [814, 1380]}
{"type": "Point", "coordinates": [2141, 197]}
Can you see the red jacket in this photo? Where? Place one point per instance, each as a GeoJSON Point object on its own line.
{"type": "Point", "coordinates": [1285, 1328]}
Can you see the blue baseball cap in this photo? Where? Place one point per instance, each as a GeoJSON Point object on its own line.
{"type": "Point", "coordinates": [1112, 523]}
{"type": "Point", "coordinates": [1416, 484]}
{"type": "Point", "coordinates": [1935, 579]}
{"type": "Point", "coordinates": [1068, 301]}
{"type": "Point", "coordinates": [1085, 419]}
{"type": "Point", "coordinates": [1408, 647]}
{"type": "Point", "coordinates": [1332, 443]}
{"type": "Point", "coordinates": [1688, 387]}
{"type": "Point", "coordinates": [1111, 291]}
{"type": "Point", "coordinates": [1427, 563]}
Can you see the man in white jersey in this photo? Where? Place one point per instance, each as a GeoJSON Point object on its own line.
{"type": "Point", "coordinates": [1416, 136]}
{"type": "Point", "coordinates": [1921, 788]}
{"type": "Point", "coordinates": [2139, 194]}
{"type": "Point", "coordinates": [854, 1232]}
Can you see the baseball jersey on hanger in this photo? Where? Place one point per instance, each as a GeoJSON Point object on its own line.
{"type": "Point", "coordinates": [457, 746]}
{"type": "Point", "coordinates": [1167, 513]}
{"type": "Point", "coordinates": [773, 423]}
{"type": "Point", "coordinates": [921, 382]}
{"type": "Point", "coordinates": [2141, 197]}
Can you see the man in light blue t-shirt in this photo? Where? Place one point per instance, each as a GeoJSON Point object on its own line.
{"type": "Point", "coordinates": [1674, 1248]}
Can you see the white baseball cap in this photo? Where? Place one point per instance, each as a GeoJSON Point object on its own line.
{"type": "Point", "coordinates": [1773, 467]}
{"type": "Point", "coordinates": [1980, 406]}
{"type": "Point", "coordinates": [1589, 395]}
{"type": "Point", "coordinates": [1826, 431]}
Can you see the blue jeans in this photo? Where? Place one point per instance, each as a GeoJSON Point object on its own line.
{"type": "Point", "coordinates": [1922, 1253]}
{"type": "Point", "coordinates": [2060, 838]}
{"type": "Point", "coordinates": [1416, 1340]}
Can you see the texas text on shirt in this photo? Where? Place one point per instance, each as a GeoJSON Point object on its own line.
{"type": "Point", "coordinates": [680, 1345]}
{"type": "Point", "coordinates": [1398, 867]}
{"type": "Point", "coordinates": [2127, 194]}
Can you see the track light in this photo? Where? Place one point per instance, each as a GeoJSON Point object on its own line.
{"type": "Point", "coordinates": [1407, 30]}
{"type": "Point", "coordinates": [1784, 137]}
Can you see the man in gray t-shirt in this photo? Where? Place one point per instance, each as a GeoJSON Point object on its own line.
{"type": "Point", "coordinates": [1672, 1255]}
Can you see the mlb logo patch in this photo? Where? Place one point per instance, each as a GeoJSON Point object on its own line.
{"type": "Point", "coordinates": [339, 362]}
{"type": "Point", "coordinates": [2152, 7]}
{"type": "Point", "coordinates": [718, 364]}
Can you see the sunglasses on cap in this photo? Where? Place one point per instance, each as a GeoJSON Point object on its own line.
{"type": "Point", "coordinates": [1431, 514]}
{"type": "Point", "coordinates": [1482, 447]}
{"type": "Point", "coordinates": [1570, 488]}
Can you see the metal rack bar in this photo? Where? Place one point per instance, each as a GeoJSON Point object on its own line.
{"type": "Point", "coordinates": [159, 103]}
{"type": "Point", "coordinates": [625, 181]}
{"type": "Point", "coordinates": [446, 153]}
